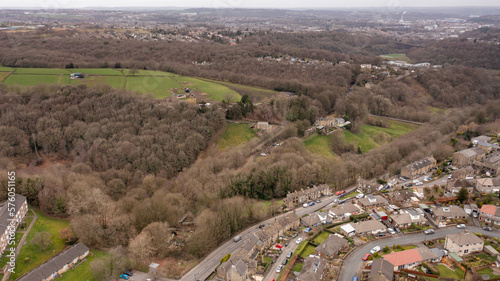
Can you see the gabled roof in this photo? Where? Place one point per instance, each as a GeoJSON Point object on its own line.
{"type": "Point", "coordinates": [462, 183]}
{"type": "Point", "coordinates": [449, 212]}
{"type": "Point", "coordinates": [378, 200]}
{"type": "Point", "coordinates": [464, 238]}
{"type": "Point", "coordinates": [406, 219]}
{"type": "Point", "coordinates": [403, 257]}
{"type": "Point", "coordinates": [426, 253]}
{"type": "Point", "coordinates": [5, 215]}
{"type": "Point", "coordinates": [367, 226]}
{"type": "Point", "coordinates": [331, 245]}
{"type": "Point", "coordinates": [489, 181]}
{"type": "Point", "coordinates": [471, 152]}
{"type": "Point", "coordinates": [344, 209]}
{"type": "Point", "coordinates": [489, 209]}
{"type": "Point", "coordinates": [381, 268]}
{"type": "Point", "coordinates": [421, 163]}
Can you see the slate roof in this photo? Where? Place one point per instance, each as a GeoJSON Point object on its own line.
{"type": "Point", "coordinates": [366, 226]}
{"type": "Point", "coordinates": [426, 253]}
{"type": "Point", "coordinates": [381, 268]}
{"type": "Point", "coordinates": [471, 152]}
{"type": "Point", "coordinates": [331, 245]}
{"type": "Point", "coordinates": [5, 216]}
{"type": "Point", "coordinates": [421, 164]}
{"type": "Point", "coordinates": [45, 270]}
{"type": "Point", "coordinates": [489, 182]}
{"type": "Point", "coordinates": [344, 209]}
{"type": "Point", "coordinates": [454, 211]}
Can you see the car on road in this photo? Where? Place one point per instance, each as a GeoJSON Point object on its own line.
{"type": "Point", "coordinates": [375, 250]}
{"type": "Point", "coordinates": [318, 201]}
{"type": "Point", "coordinates": [449, 177]}
{"type": "Point", "coordinates": [397, 230]}
{"type": "Point", "coordinates": [380, 234]}
{"type": "Point", "coordinates": [262, 226]}
{"type": "Point", "coordinates": [289, 255]}
{"type": "Point", "coordinates": [237, 238]}
{"type": "Point", "coordinates": [461, 225]}
{"type": "Point", "coordinates": [366, 257]}
{"type": "Point", "coordinates": [124, 276]}
{"type": "Point", "coordinates": [284, 261]}
{"type": "Point", "coordinates": [307, 230]}
{"type": "Point", "coordinates": [128, 272]}
{"type": "Point", "coordinates": [487, 228]}
{"type": "Point", "coordinates": [429, 231]}
{"type": "Point", "coordinates": [298, 241]}
{"type": "Point", "coordinates": [305, 205]}
{"type": "Point", "coordinates": [391, 231]}
{"type": "Point", "coordinates": [311, 204]}
{"type": "Point", "coordinates": [278, 270]}
{"type": "Point", "coordinates": [340, 192]}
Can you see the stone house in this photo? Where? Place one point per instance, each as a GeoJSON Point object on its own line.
{"type": "Point", "coordinates": [468, 156]}
{"type": "Point", "coordinates": [463, 243]}
{"type": "Point", "coordinates": [418, 168]}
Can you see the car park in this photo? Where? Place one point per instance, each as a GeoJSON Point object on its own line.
{"type": "Point", "coordinates": [375, 250]}
{"type": "Point", "coordinates": [487, 228]}
{"type": "Point", "coordinates": [298, 241]}
{"type": "Point", "coordinates": [429, 231]}
{"type": "Point", "coordinates": [461, 225]}
{"type": "Point", "coordinates": [366, 257]}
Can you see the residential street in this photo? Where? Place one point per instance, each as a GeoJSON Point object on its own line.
{"type": "Point", "coordinates": [355, 261]}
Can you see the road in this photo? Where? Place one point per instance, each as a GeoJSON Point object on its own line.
{"type": "Point", "coordinates": [205, 267]}
{"type": "Point", "coordinates": [354, 260]}
{"type": "Point", "coordinates": [292, 245]}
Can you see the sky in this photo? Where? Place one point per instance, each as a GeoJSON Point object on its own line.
{"type": "Point", "coordinates": [62, 4]}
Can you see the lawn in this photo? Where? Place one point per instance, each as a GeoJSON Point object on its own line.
{"type": "Point", "coordinates": [82, 272]}
{"type": "Point", "coordinates": [448, 273]}
{"type": "Point", "coordinates": [351, 195]}
{"type": "Point", "coordinates": [308, 250]}
{"type": "Point", "coordinates": [214, 91]}
{"type": "Point", "coordinates": [161, 87]}
{"type": "Point", "coordinates": [41, 71]}
{"type": "Point", "coordinates": [234, 135]}
{"type": "Point", "coordinates": [321, 237]}
{"type": "Point", "coordinates": [319, 145]}
{"type": "Point", "coordinates": [488, 271]}
{"type": "Point", "coordinates": [43, 223]}
{"type": "Point", "coordinates": [373, 136]}
{"type": "Point", "coordinates": [97, 71]}
{"type": "Point", "coordinates": [113, 81]}
{"type": "Point", "coordinates": [31, 80]}
{"type": "Point", "coordinates": [297, 267]}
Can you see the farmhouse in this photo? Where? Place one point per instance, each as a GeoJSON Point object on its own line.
{"type": "Point", "coordinates": [463, 243]}
{"type": "Point", "coordinates": [488, 185]}
{"type": "Point", "coordinates": [381, 270]}
{"type": "Point", "coordinates": [344, 211]}
{"type": "Point", "coordinates": [58, 264]}
{"type": "Point", "coordinates": [299, 197]}
{"type": "Point", "coordinates": [372, 201]}
{"type": "Point", "coordinates": [331, 246]}
{"type": "Point", "coordinates": [313, 269]}
{"type": "Point", "coordinates": [468, 156]}
{"type": "Point", "coordinates": [368, 227]}
{"type": "Point", "coordinates": [446, 213]}
{"type": "Point", "coordinates": [418, 168]}
{"type": "Point", "coordinates": [490, 214]}
{"type": "Point", "coordinates": [8, 223]}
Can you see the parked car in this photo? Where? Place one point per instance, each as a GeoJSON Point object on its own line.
{"type": "Point", "coordinates": [124, 276]}
{"type": "Point", "coordinates": [340, 192]}
{"type": "Point", "coordinates": [419, 183]}
{"type": "Point", "coordinates": [305, 205]}
{"type": "Point", "coordinates": [298, 241]}
{"type": "Point", "coordinates": [461, 225]}
{"type": "Point", "coordinates": [366, 257]}
{"type": "Point", "coordinates": [237, 238]}
{"type": "Point", "coordinates": [429, 231]}
{"type": "Point", "coordinates": [289, 255]}
{"type": "Point", "coordinates": [284, 261]}
{"type": "Point", "coordinates": [262, 226]}
{"type": "Point", "coordinates": [307, 230]}
{"type": "Point", "coordinates": [397, 230]}
{"type": "Point", "coordinates": [355, 278]}
{"type": "Point", "coordinates": [487, 228]}
{"type": "Point", "coordinates": [128, 272]}
{"type": "Point", "coordinates": [359, 196]}
{"type": "Point", "coordinates": [375, 250]}
{"type": "Point", "coordinates": [279, 268]}
{"type": "Point", "coordinates": [279, 246]}
{"type": "Point", "coordinates": [318, 201]}
{"type": "Point", "coordinates": [380, 234]}
{"type": "Point", "coordinates": [391, 231]}
{"type": "Point", "coordinates": [311, 204]}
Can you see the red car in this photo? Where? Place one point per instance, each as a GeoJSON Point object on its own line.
{"type": "Point", "coordinates": [365, 258]}
{"type": "Point", "coordinates": [279, 246]}
{"type": "Point", "coordinates": [340, 192]}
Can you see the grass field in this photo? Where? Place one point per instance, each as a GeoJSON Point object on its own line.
{"type": "Point", "coordinates": [396, 57]}
{"type": "Point", "coordinates": [6, 69]}
{"type": "Point", "coordinates": [321, 237]}
{"type": "Point", "coordinates": [447, 273]}
{"type": "Point", "coordinates": [373, 136]}
{"type": "Point", "coordinates": [235, 134]}
{"type": "Point", "coordinates": [3, 75]}
{"type": "Point", "coordinates": [41, 71]}
{"type": "Point", "coordinates": [256, 94]}
{"type": "Point", "coordinates": [214, 91]}
{"type": "Point", "coordinates": [319, 145]}
{"type": "Point", "coordinates": [150, 72]}
{"type": "Point", "coordinates": [113, 81]}
{"type": "Point", "coordinates": [97, 71]}
{"type": "Point", "coordinates": [82, 272]}
{"type": "Point", "coordinates": [43, 223]}
{"type": "Point", "coordinates": [438, 110]}
{"type": "Point", "coordinates": [31, 80]}
{"type": "Point", "coordinates": [159, 86]}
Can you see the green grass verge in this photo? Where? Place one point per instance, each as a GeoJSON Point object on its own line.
{"type": "Point", "coordinates": [161, 87]}
{"type": "Point", "coordinates": [43, 223]}
{"type": "Point", "coordinates": [97, 71]}
{"type": "Point", "coordinates": [214, 91]}
{"type": "Point", "coordinates": [371, 137]}
{"type": "Point", "coordinates": [234, 135]}
{"type": "Point", "coordinates": [319, 145]}
{"type": "Point", "coordinates": [41, 71]}
{"type": "Point", "coordinates": [321, 237]}
{"type": "Point", "coordinates": [82, 272]}
{"type": "Point", "coordinates": [113, 81]}
{"type": "Point", "coordinates": [31, 80]}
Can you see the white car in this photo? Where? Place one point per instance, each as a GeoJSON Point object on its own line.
{"type": "Point", "coordinates": [359, 196]}
{"type": "Point", "coordinates": [391, 231]}
{"type": "Point", "coordinates": [279, 268]}
{"type": "Point", "coordinates": [305, 205]}
{"type": "Point", "coordinates": [375, 250]}
{"type": "Point", "coordinates": [298, 241]}
{"type": "Point", "coordinates": [419, 183]}
{"type": "Point", "coordinates": [461, 226]}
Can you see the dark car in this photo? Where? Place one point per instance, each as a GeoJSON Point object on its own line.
{"type": "Point", "coordinates": [380, 234]}
{"type": "Point", "coordinates": [262, 226]}
{"type": "Point", "coordinates": [128, 272]}
{"type": "Point", "coordinates": [284, 261]}
{"type": "Point", "coordinates": [397, 230]}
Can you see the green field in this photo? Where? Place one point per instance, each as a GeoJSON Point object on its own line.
{"type": "Point", "coordinates": [256, 94]}
{"type": "Point", "coordinates": [396, 57]}
{"type": "Point", "coordinates": [159, 86]}
{"type": "Point", "coordinates": [447, 273]}
{"type": "Point", "coordinates": [235, 134]}
{"type": "Point", "coordinates": [31, 80]}
{"type": "Point", "coordinates": [113, 81]}
{"type": "Point", "coordinates": [82, 272]}
{"type": "Point", "coordinates": [319, 145]}
{"type": "Point", "coordinates": [41, 71]}
{"type": "Point", "coordinates": [97, 71]}
{"type": "Point", "coordinates": [373, 136]}
{"type": "Point", "coordinates": [3, 75]}
{"type": "Point", "coordinates": [6, 69]}
{"type": "Point", "coordinates": [43, 223]}
{"type": "Point", "coordinates": [438, 110]}
{"type": "Point", "coordinates": [150, 73]}
{"type": "Point", "coordinates": [214, 91]}
{"type": "Point", "coordinates": [308, 250]}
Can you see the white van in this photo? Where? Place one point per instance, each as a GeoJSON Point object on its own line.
{"type": "Point", "coordinates": [237, 238]}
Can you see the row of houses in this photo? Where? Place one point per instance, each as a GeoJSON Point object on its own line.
{"type": "Point", "coordinates": [418, 168]}
{"type": "Point", "coordinates": [299, 197]}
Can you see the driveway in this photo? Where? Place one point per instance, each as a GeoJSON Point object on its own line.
{"type": "Point", "coordinates": [354, 260]}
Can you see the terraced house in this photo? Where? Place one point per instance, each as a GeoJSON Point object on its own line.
{"type": "Point", "coordinates": [490, 166]}
{"type": "Point", "coordinates": [270, 233]}
{"type": "Point", "coordinates": [299, 197]}
{"type": "Point", "coordinates": [418, 168]}
{"type": "Point", "coordinates": [7, 221]}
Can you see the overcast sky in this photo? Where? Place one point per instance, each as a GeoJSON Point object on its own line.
{"type": "Point", "coordinates": [244, 3]}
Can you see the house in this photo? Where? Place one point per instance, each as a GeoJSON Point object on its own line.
{"type": "Point", "coordinates": [339, 121]}
{"type": "Point", "coordinates": [368, 227]}
{"type": "Point", "coordinates": [344, 211]}
{"type": "Point", "coordinates": [270, 233]}
{"type": "Point", "coordinates": [487, 147]}
{"type": "Point", "coordinates": [463, 173]}
{"type": "Point", "coordinates": [325, 121]}
{"type": "Point", "coordinates": [428, 255]}
{"type": "Point", "coordinates": [405, 259]}
{"type": "Point", "coordinates": [439, 254]}
{"type": "Point", "coordinates": [348, 229]}
{"type": "Point", "coordinates": [330, 248]}
{"type": "Point", "coordinates": [482, 138]}
{"type": "Point", "coordinates": [446, 213]}
{"type": "Point", "coordinates": [367, 186]}
{"type": "Point", "coordinates": [366, 66]}
{"type": "Point", "coordinates": [455, 185]}
{"type": "Point", "coordinates": [316, 219]}
{"type": "Point", "coordinates": [490, 214]}
{"type": "Point", "coordinates": [57, 265]}
{"type": "Point", "coordinates": [312, 270]}
{"type": "Point", "coordinates": [488, 185]}
{"type": "Point", "coordinates": [418, 168]}
{"type": "Point", "coordinates": [463, 243]}
{"type": "Point", "coordinates": [408, 218]}
{"type": "Point", "coordinates": [239, 267]}
{"type": "Point", "coordinates": [489, 166]}
{"type": "Point", "coordinates": [9, 221]}
{"type": "Point", "coordinates": [468, 156]}
{"type": "Point", "coordinates": [299, 197]}
{"type": "Point", "coordinates": [403, 196]}
{"type": "Point", "coordinates": [264, 126]}
{"type": "Point", "coordinates": [381, 270]}
{"type": "Point", "coordinates": [370, 201]}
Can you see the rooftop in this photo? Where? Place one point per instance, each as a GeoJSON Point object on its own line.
{"type": "Point", "coordinates": [464, 238]}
